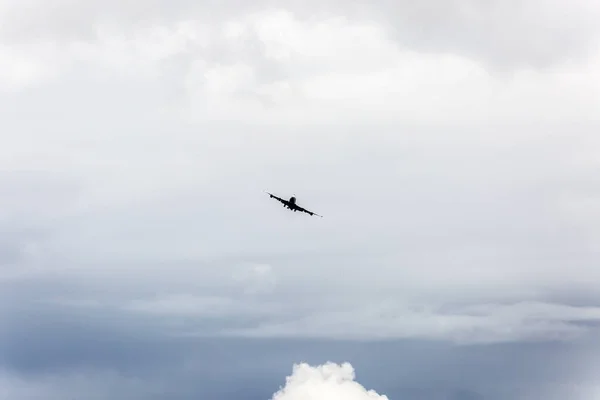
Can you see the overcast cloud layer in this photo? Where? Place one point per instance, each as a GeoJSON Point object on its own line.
{"type": "Point", "coordinates": [451, 147]}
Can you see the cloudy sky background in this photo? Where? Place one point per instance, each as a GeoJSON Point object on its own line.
{"type": "Point", "coordinates": [450, 145]}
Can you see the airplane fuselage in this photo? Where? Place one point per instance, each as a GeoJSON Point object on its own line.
{"type": "Point", "coordinates": [291, 203]}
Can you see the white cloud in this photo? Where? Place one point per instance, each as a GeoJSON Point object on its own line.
{"type": "Point", "coordinates": [324, 382]}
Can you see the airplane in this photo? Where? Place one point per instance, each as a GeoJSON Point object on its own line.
{"type": "Point", "coordinates": [291, 204]}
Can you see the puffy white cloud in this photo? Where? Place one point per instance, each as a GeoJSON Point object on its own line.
{"type": "Point", "coordinates": [324, 382]}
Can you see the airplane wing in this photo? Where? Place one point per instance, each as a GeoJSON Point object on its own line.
{"type": "Point", "coordinates": [277, 198]}
{"type": "Point", "coordinates": [308, 212]}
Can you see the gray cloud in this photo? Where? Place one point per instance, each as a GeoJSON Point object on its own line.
{"type": "Point", "coordinates": [460, 206]}
{"type": "Point", "coordinates": [505, 34]}
{"type": "Point", "coordinates": [486, 259]}
{"type": "Point", "coordinates": [30, 205]}
{"type": "Point", "coordinates": [125, 358]}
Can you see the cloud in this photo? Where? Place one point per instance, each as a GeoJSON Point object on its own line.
{"type": "Point", "coordinates": [256, 278]}
{"type": "Point", "coordinates": [131, 357]}
{"type": "Point", "coordinates": [473, 324]}
{"type": "Point", "coordinates": [260, 57]}
{"type": "Point", "coordinates": [93, 385]}
{"type": "Point", "coordinates": [328, 381]}
{"type": "Point", "coordinates": [501, 33]}
{"type": "Point", "coordinates": [452, 149]}
{"type": "Point", "coordinates": [27, 222]}
{"type": "Point", "coordinates": [190, 305]}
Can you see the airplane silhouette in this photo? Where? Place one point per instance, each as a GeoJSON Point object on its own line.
{"type": "Point", "coordinates": [291, 204]}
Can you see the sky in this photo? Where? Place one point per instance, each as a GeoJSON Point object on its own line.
{"type": "Point", "coordinates": [451, 147]}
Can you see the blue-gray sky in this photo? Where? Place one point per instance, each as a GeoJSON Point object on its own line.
{"type": "Point", "coordinates": [450, 145]}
